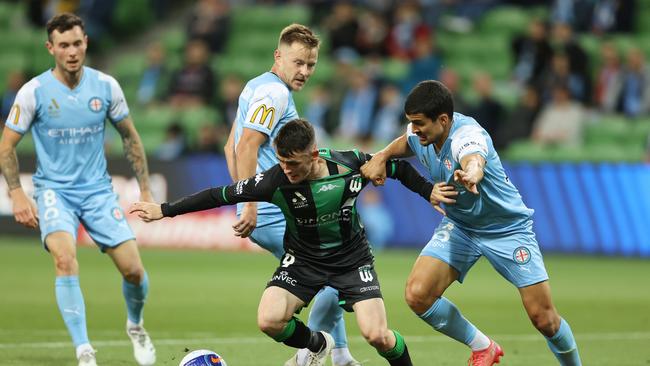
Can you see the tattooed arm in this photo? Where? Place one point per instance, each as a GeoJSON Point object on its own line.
{"type": "Point", "coordinates": [134, 152]}
{"type": "Point", "coordinates": [25, 211]}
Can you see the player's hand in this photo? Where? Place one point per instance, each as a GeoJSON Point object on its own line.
{"type": "Point", "coordinates": [146, 196]}
{"type": "Point", "coordinates": [147, 211]}
{"type": "Point", "coordinates": [442, 193]}
{"type": "Point", "coordinates": [375, 170]}
{"type": "Point", "coordinates": [247, 220]}
{"type": "Point", "coordinates": [470, 181]}
{"type": "Point", "coordinates": [24, 209]}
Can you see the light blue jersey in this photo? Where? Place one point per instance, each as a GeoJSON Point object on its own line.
{"type": "Point", "coordinates": [495, 223]}
{"type": "Point", "coordinates": [71, 183]}
{"type": "Point", "coordinates": [68, 127]}
{"type": "Point", "coordinates": [265, 105]}
{"type": "Point", "coordinates": [498, 208]}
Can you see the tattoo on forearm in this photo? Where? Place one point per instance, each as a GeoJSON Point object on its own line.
{"type": "Point", "coordinates": [9, 167]}
{"type": "Point", "coordinates": [134, 152]}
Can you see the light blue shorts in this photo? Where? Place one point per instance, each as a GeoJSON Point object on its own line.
{"type": "Point", "coordinates": [270, 236]}
{"type": "Point", "coordinates": [515, 255]}
{"type": "Point", "coordinates": [98, 211]}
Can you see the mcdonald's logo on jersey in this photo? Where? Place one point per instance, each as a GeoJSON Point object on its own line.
{"type": "Point", "coordinates": [264, 115]}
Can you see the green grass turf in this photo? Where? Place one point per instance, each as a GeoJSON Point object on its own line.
{"type": "Point", "coordinates": [209, 300]}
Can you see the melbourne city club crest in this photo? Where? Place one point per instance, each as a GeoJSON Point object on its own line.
{"type": "Point", "coordinates": [117, 214]}
{"type": "Point", "coordinates": [95, 104]}
{"type": "Point", "coordinates": [521, 255]}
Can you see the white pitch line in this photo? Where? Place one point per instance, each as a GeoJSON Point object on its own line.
{"type": "Point", "coordinates": [581, 337]}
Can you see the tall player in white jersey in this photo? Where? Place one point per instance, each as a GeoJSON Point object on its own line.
{"type": "Point", "coordinates": [484, 216]}
{"type": "Point", "coordinates": [66, 108]}
{"type": "Point", "coordinates": [265, 105]}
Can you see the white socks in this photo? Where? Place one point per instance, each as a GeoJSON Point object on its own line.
{"type": "Point", "coordinates": [340, 356]}
{"type": "Point", "coordinates": [83, 348]}
{"type": "Point", "coordinates": [480, 341]}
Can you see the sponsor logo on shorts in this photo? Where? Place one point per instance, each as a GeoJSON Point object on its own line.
{"type": "Point", "coordinates": [521, 255]}
{"type": "Point", "coordinates": [369, 288]}
{"type": "Point", "coordinates": [284, 277]}
{"type": "Point", "coordinates": [365, 273]}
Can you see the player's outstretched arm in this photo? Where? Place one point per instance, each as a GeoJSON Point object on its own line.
{"type": "Point", "coordinates": [375, 169]}
{"type": "Point", "coordinates": [247, 190]}
{"type": "Point", "coordinates": [471, 173]}
{"type": "Point", "coordinates": [24, 209]}
{"type": "Point", "coordinates": [134, 152]}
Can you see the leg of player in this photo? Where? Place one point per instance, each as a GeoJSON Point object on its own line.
{"type": "Point", "coordinates": [541, 311]}
{"type": "Point", "coordinates": [68, 293]}
{"type": "Point", "coordinates": [371, 317]}
{"type": "Point", "coordinates": [275, 318]}
{"type": "Point", "coordinates": [428, 280]}
{"type": "Point", "coordinates": [135, 286]}
{"type": "Point", "coordinates": [327, 315]}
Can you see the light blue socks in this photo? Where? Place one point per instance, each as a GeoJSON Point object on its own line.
{"type": "Point", "coordinates": [135, 296]}
{"type": "Point", "coordinates": [445, 317]}
{"type": "Point", "coordinates": [71, 305]}
{"type": "Point", "coordinates": [327, 315]}
{"type": "Point", "coordinates": [564, 345]}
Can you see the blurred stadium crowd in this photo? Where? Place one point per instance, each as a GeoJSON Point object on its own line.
{"type": "Point", "coordinates": [562, 80]}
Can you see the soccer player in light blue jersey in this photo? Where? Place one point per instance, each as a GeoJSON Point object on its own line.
{"type": "Point", "coordinates": [484, 216]}
{"type": "Point", "coordinates": [265, 105]}
{"type": "Point", "coordinates": [66, 108]}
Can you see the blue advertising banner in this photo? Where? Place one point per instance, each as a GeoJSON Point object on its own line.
{"type": "Point", "coordinates": [579, 208]}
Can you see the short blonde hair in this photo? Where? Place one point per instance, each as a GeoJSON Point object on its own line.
{"type": "Point", "coordinates": [298, 33]}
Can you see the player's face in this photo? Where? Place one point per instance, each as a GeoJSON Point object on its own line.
{"type": "Point", "coordinates": [295, 63]}
{"type": "Point", "coordinates": [68, 49]}
{"type": "Point", "coordinates": [297, 167]}
{"type": "Point", "coordinates": [428, 130]}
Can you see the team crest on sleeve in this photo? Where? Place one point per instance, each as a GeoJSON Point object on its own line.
{"type": "Point", "coordinates": [117, 213]}
{"type": "Point", "coordinates": [95, 104]}
{"type": "Point", "coordinates": [521, 255]}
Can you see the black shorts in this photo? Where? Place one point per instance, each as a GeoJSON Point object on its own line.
{"type": "Point", "coordinates": [304, 281]}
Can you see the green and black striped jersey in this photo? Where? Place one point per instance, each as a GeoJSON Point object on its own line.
{"type": "Point", "coordinates": [323, 225]}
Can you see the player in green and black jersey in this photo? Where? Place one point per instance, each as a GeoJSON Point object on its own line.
{"type": "Point", "coordinates": [325, 242]}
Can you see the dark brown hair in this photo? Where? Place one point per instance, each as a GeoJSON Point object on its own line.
{"type": "Point", "coordinates": [296, 136]}
{"type": "Point", "coordinates": [63, 22]}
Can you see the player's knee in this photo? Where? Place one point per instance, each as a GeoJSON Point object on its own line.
{"type": "Point", "coordinates": [546, 320]}
{"type": "Point", "coordinates": [65, 263]}
{"type": "Point", "coordinates": [378, 338]}
{"type": "Point", "coordinates": [418, 297]}
{"type": "Point", "coordinates": [270, 326]}
{"type": "Point", "coordinates": [133, 274]}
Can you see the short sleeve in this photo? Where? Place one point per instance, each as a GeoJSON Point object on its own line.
{"type": "Point", "coordinates": [469, 140]}
{"type": "Point", "coordinates": [118, 108]}
{"type": "Point", "coordinates": [413, 141]}
{"type": "Point", "coordinates": [23, 110]}
{"type": "Point", "coordinates": [266, 108]}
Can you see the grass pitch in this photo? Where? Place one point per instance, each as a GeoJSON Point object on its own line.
{"type": "Point", "coordinates": [209, 300]}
